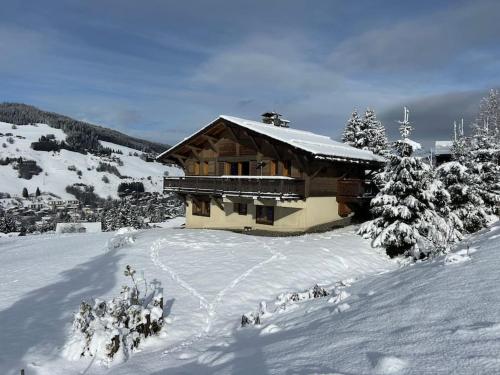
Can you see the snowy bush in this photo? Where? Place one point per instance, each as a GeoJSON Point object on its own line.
{"type": "Point", "coordinates": [112, 330]}
{"type": "Point", "coordinates": [314, 292]}
{"type": "Point", "coordinates": [123, 237]}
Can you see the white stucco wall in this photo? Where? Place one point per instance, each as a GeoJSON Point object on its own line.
{"type": "Point", "coordinates": [289, 216]}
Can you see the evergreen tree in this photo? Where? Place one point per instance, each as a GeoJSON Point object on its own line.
{"type": "Point", "coordinates": [3, 224]}
{"type": "Point", "coordinates": [7, 223]}
{"type": "Point", "coordinates": [25, 193]}
{"type": "Point", "coordinates": [466, 204]}
{"type": "Point", "coordinates": [489, 113]}
{"type": "Point", "coordinates": [352, 130]}
{"type": "Point", "coordinates": [374, 135]}
{"type": "Point", "coordinates": [407, 218]}
{"type": "Point", "coordinates": [480, 153]}
{"type": "Point", "coordinates": [37, 193]}
{"type": "Point", "coordinates": [367, 133]}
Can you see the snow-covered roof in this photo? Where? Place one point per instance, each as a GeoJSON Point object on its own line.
{"type": "Point", "coordinates": [414, 145]}
{"type": "Point", "coordinates": [322, 147]}
{"type": "Point", "coordinates": [443, 147]}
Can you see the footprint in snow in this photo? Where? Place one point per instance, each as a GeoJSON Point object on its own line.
{"type": "Point", "coordinates": [271, 328]}
{"type": "Point", "coordinates": [386, 364]}
{"type": "Point", "coordinates": [456, 258]}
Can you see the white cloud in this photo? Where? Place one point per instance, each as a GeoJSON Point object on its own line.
{"type": "Point", "coordinates": [419, 44]}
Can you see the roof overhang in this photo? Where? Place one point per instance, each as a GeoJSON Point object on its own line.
{"type": "Point", "coordinates": [168, 155]}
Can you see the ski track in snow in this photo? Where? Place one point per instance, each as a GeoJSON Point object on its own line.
{"type": "Point", "coordinates": [211, 307]}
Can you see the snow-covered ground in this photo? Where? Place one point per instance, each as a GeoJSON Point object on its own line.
{"type": "Point", "coordinates": [210, 279]}
{"type": "Point", "coordinates": [55, 175]}
{"type": "Point", "coordinates": [436, 317]}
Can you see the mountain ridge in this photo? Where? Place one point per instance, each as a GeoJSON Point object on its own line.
{"type": "Point", "coordinates": [24, 114]}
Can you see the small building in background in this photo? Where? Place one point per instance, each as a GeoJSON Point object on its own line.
{"type": "Point", "coordinates": [94, 227]}
{"type": "Point", "coordinates": [442, 152]}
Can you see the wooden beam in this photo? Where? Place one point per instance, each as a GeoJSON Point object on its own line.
{"type": "Point", "coordinates": [211, 141]}
{"type": "Point", "coordinates": [298, 160]}
{"type": "Point", "coordinates": [317, 171]}
{"type": "Point", "coordinates": [275, 150]}
{"type": "Point", "coordinates": [181, 159]}
{"type": "Point", "coordinates": [232, 134]}
{"type": "Point", "coordinates": [252, 139]}
{"type": "Point", "coordinates": [194, 151]}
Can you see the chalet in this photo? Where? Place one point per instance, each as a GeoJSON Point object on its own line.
{"type": "Point", "coordinates": [265, 176]}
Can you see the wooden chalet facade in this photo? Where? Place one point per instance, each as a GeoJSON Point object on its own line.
{"type": "Point", "coordinates": [250, 176]}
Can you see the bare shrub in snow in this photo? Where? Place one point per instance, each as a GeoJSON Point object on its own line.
{"type": "Point", "coordinates": [314, 292]}
{"type": "Point", "coordinates": [112, 330]}
{"type": "Point", "coordinates": [282, 301]}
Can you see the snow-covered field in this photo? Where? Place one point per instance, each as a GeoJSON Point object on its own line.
{"type": "Point", "coordinates": [436, 317]}
{"type": "Point", "coordinates": [210, 279]}
{"type": "Point", "coordinates": [55, 175]}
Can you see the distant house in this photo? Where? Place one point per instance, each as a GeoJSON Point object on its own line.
{"type": "Point", "coordinates": [264, 176]}
{"type": "Point", "coordinates": [84, 227]}
{"type": "Point", "coordinates": [442, 152]}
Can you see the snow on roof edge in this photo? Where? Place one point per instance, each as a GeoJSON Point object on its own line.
{"type": "Point", "coordinates": [320, 146]}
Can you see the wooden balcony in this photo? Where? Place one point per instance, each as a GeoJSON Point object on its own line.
{"type": "Point", "coordinates": [355, 190]}
{"type": "Point", "coordinates": [245, 186]}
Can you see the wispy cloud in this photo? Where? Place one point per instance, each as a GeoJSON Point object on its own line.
{"type": "Point", "coordinates": [164, 69]}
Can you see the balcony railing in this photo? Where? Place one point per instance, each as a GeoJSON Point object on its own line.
{"type": "Point", "coordinates": [355, 190]}
{"type": "Point", "coordinates": [249, 186]}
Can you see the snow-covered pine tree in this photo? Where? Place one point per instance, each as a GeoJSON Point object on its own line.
{"type": "Point", "coordinates": [367, 133]}
{"type": "Point", "coordinates": [481, 152]}
{"type": "Point", "coordinates": [489, 112]}
{"type": "Point", "coordinates": [466, 205]}
{"type": "Point", "coordinates": [407, 220]}
{"type": "Point", "coordinates": [352, 130]}
{"type": "Point", "coordinates": [374, 134]}
{"type": "Point", "coordinates": [3, 224]}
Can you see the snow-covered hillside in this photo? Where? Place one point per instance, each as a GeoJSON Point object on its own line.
{"type": "Point", "coordinates": [55, 175]}
{"type": "Point", "coordinates": [209, 277]}
{"type": "Point", "coordinates": [433, 317]}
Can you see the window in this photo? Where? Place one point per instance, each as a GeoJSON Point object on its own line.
{"type": "Point", "coordinates": [197, 168]}
{"type": "Point", "coordinates": [287, 168]}
{"type": "Point", "coordinates": [244, 168]}
{"type": "Point", "coordinates": [234, 169]}
{"type": "Point", "coordinates": [265, 215]}
{"type": "Point", "coordinates": [201, 207]}
{"type": "Point", "coordinates": [241, 208]}
{"type": "Point", "coordinates": [272, 168]}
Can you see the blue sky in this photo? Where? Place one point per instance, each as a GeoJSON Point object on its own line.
{"type": "Point", "coordinates": [162, 69]}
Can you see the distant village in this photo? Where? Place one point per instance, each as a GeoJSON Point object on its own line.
{"type": "Point", "coordinates": [43, 213]}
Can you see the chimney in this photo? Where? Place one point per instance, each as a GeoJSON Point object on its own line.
{"type": "Point", "coordinates": [274, 118]}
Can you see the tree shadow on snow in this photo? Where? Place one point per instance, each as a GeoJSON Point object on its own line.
{"type": "Point", "coordinates": [42, 316]}
{"type": "Point", "coordinates": [242, 356]}
{"type": "Point", "coordinates": [167, 309]}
